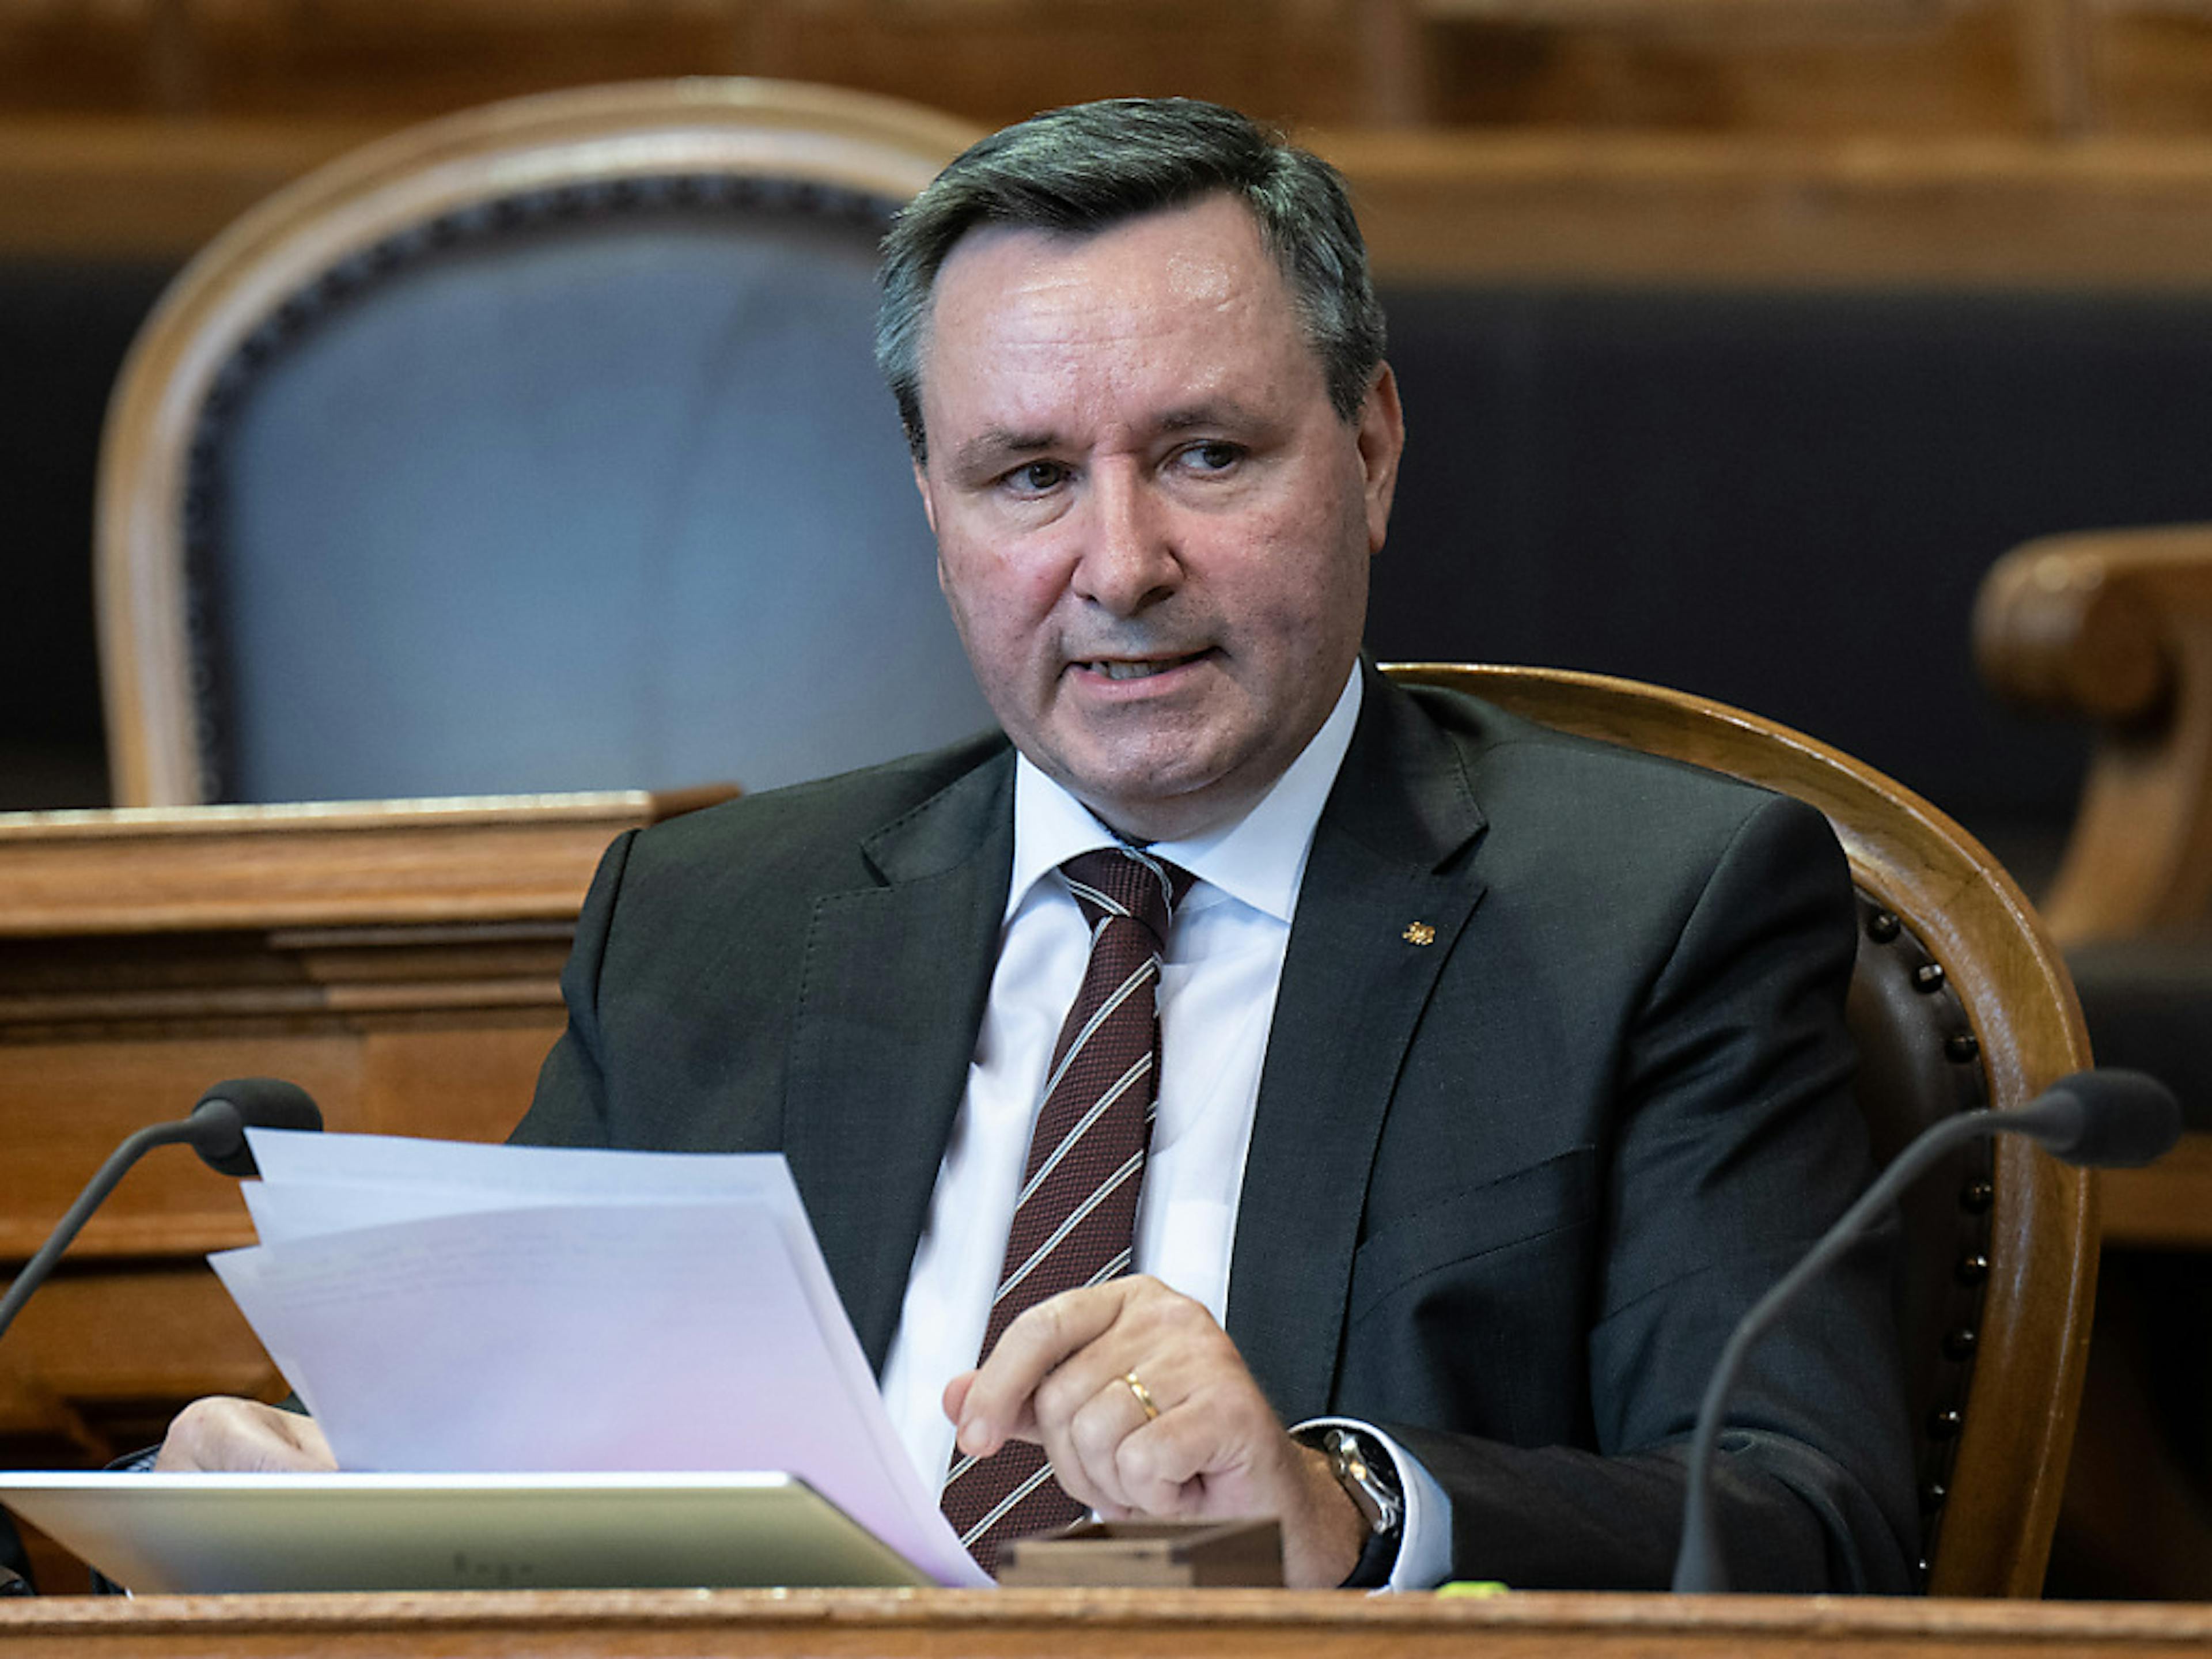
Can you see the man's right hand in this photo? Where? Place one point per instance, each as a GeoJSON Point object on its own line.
{"type": "Point", "coordinates": [222, 1435]}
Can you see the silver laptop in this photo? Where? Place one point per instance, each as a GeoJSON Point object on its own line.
{"type": "Point", "coordinates": [210, 1533]}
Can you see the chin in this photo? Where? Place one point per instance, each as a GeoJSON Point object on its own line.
{"type": "Point", "coordinates": [1164, 812]}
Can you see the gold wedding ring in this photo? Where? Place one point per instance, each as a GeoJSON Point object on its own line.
{"type": "Point", "coordinates": [1144, 1395]}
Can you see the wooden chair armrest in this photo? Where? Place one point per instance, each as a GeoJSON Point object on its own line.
{"type": "Point", "coordinates": [2117, 626]}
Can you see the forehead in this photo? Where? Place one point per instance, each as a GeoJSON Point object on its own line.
{"type": "Point", "coordinates": [1018, 294]}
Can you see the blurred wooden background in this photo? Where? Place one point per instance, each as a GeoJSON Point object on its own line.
{"type": "Point", "coordinates": [1927, 67]}
{"type": "Point", "coordinates": [1499, 149]}
{"type": "Point", "coordinates": [183, 112]}
{"type": "Point", "coordinates": [2058, 146]}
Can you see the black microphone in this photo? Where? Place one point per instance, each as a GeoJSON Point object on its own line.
{"type": "Point", "coordinates": [2103, 1119]}
{"type": "Point", "coordinates": [215, 1130]}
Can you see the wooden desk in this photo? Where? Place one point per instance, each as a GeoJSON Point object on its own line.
{"type": "Point", "coordinates": [2167, 1206]}
{"type": "Point", "coordinates": [400, 960]}
{"type": "Point", "coordinates": [1078, 1625]}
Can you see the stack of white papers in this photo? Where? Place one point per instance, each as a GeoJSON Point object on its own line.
{"type": "Point", "coordinates": [450, 1307]}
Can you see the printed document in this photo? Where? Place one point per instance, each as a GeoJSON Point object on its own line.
{"type": "Point", "coordinates": [450, 1307]}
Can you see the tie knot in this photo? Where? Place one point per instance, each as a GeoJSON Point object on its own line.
{"type": "Point", "coordinates": [1125, 881]}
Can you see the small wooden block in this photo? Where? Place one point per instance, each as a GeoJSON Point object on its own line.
{"type": "Point", "coordinates": [1150, 1553]}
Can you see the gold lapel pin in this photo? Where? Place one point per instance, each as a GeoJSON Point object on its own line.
{"type": "Point", "coordinates": [1419, 933]}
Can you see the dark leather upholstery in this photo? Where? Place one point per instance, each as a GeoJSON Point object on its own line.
{"type": "Point", "coordinates": [1918, 1065]}
{"type": "Point", "coordinates": [582, 488]}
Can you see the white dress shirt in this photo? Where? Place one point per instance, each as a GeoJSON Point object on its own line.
{"type": "Point", "coordinates": [1217, 995]}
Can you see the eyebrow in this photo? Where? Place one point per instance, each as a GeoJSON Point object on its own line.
{"type": "Point", "coordinates": [996, 444]}
{"type": "Point", "coordinates": [1222, 412]}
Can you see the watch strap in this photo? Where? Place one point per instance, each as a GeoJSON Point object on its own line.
{"type": "Point", "coordinates": [1369, 1478]}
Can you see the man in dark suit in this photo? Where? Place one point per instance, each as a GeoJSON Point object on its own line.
{"type": "Point", "coordinates": [1498, 1071]}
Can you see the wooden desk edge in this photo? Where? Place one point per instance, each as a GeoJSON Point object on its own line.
{"type": "Point", "coordinates": [137, 870]}
{"type": "Point", "coordinates": [1120, 1621]}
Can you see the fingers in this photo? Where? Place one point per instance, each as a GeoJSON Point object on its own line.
{"type": "Point", "coordinates": [1084, 1440]}
{"type": "Point", "coordinates": [1091, 1388]}
{"type": "Point", "coordinates": [1058, 1376]}
{"type": "Point", "coordinates": [955, 1397]}
{"type": "Point", "coordinates": [1212, 1445]}
{"type": "Point", "coordinates": [1128, 1461]}
{"type": "Point", "coordinates": [999, 1402]}
{"type": "Point", "coordinates": [225, 1435]}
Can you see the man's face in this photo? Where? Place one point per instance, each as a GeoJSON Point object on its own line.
{"type": "Point", "coordinates": [1152, 527]}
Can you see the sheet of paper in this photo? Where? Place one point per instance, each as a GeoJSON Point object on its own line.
{"type": "Point", "coordinates": [290, 1156]}
{"type": "Point", "coordinates": [313, 1183]}
{"type": "Point", "coordinates": [452, 1307]}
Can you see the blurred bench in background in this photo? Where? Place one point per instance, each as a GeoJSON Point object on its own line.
{"type": "Point", "coordinates": [391, 959]}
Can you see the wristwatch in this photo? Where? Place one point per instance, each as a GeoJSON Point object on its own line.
{"type": "Point", "coordinates": [1370, 1479]}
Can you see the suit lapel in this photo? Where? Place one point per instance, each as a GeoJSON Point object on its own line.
{"type": "Point", "coordinates": [893, 985]}
{"type": "Point", "coordinates": [1385, 896]}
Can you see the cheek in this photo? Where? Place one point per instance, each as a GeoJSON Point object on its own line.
{"type": "Point", "coordinates": [1003, 606]}
{"type": "Point", "coordinates": [1307, 576]}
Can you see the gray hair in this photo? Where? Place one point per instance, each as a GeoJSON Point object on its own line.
{"type": "Point", "coordinates": [1086, 167]}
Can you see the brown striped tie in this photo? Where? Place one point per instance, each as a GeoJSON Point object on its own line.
{"type": "Point", "coordinates": [1077, 1212]}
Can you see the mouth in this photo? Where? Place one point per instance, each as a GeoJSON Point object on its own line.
{"type": "Point", "coordinates": [1136, 668]}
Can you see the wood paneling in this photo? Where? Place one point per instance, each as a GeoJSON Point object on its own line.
{"type": "Point", "coordinates": [91, 188]}
{"type": "Point", "coordinates": [2167, 1205]}
{"type": "Point", "coordinates": [1871, 212]}
{"type": "Point", "coordinates": [400, 962]}
{"type": "Point", "coordinates": [1436, 206]}
{"type": "Point", "coordinates": [1792, 64]}
{"type": "Point", "coordinates": [1923, 67]}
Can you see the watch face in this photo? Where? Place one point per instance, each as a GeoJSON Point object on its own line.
{"type": "Point", "coordinates": [1368, 1464]}
{"type": "Point", "coordinates": [1371, 1488]}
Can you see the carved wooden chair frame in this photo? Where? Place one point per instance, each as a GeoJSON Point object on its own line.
{"type": "Point", "coordinates": [1991, 1020]}
{"type": "Point", "coordinates": [2115, 626]}
{"type": "Point", "coordinates": [565, 154]}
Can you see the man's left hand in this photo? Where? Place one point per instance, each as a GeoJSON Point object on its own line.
{"type": "Point", "coordinates": [1059, 1377]}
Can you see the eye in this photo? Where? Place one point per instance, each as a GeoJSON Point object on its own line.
{"type": "Point", "coordinates": [1036, 477]}
{"type": "Point", "coordinates": [1212, 455]}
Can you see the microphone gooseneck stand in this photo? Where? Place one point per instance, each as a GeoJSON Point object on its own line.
{"type": "Point", "coordinates": [217, 1130]}
{"type": "Point", "coordinates": [2111, 1119]}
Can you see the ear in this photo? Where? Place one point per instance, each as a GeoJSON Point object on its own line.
{"type": "Point", "coordinates": [928, 501]}
{"type": "Point", "coordinates": [1381, 441]}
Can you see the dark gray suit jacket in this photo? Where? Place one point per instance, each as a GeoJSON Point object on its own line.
{"type": "Point", "coordinates": [1511, 1182]}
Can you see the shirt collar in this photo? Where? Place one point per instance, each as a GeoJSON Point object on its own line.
{"type": "Point", "coordinates": [1259, 860]}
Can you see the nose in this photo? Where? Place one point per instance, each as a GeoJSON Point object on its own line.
{"type": "Point", "coordinates": [1128, 561]}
